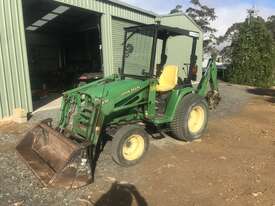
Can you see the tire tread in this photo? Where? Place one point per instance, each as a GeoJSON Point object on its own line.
{"type": "Point", "coordinates": [177, 125]}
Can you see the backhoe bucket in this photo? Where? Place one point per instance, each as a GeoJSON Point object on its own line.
{"type": "Point", "coordinates": [55, 159]}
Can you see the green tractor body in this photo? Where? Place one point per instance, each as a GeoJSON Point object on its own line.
{"type": "Point", "coordinates": [142, 94]}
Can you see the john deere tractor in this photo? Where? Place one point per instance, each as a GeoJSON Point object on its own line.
{"type": "Point", "coordinates": [123, 106]}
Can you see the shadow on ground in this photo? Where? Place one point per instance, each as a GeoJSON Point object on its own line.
{"type": "Point", "coordinates": [121, 195]}
{"type": "Point", "coordinates": [264, 92]}
{"type": "Point", "coordinates": [271, 100]}
{"type": "Point", "coordinates": [38, 103]}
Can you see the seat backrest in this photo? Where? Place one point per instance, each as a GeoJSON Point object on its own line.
{"type": "Point", "coordinates": [168, 79]}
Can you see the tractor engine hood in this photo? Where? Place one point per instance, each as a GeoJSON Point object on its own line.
{"type": "Point", "coordinates": [115, 89]}
{"type": "Point", "coordinates": [94, 98]}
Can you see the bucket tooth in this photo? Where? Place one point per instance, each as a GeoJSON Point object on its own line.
{"type": "Point", "coordinates": [55, 159]}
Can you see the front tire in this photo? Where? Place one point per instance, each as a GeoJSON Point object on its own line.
{"type": "Point", "coordinates": [191, 118]}
{"type": "Point", "coordinates": [129, 145]}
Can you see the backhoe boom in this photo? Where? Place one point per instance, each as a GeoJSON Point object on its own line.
{"type": "Point", "coordinates": [210, 76]}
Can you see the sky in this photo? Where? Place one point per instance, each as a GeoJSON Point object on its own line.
{"type": "Point", "coordinates": [228, 11]}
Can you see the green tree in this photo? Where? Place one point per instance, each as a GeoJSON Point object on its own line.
{"type": "Point", "coordinates": [271, 25]}
{"type": "Point", "coordinates": [226, 40]}
{"type": "Point", "coordinates": [178, 9]}
{"type": "Point", "coordinates": [252, 54]}
{"type": "Point", "coordinates": [203, 16]}
{"type": "Point", "coordinates": [232, 32]}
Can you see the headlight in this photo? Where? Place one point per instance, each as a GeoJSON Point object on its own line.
{"type": "Point", "coordinates": [83, 96]}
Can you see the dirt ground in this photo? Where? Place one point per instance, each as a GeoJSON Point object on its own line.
{"type": "Point", "coordinates": [234, 164]}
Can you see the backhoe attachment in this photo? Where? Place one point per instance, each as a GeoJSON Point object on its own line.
{"type": "Point", "coordinates": [210, 76]}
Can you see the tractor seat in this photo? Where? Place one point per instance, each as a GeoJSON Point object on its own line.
{"type": "Point", "coordinates": [168, 79]}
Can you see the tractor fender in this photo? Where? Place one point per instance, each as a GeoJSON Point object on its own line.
{"type": "Point", "coordinates": [175, 100]}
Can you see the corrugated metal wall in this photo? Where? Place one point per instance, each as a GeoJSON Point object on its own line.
{"type": "Point", "coordinates": [118, 26]}
{"type": "Point", "coordinates": [102, 6]}
{"type": "Point", "coordinates": [183, 45]}
{"type": "Point", "coordinates": [107, 46]}
{"type": "Point", "coordinates": [14, 72]}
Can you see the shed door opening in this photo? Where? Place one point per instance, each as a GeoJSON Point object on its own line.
{"type": "Point", "coordinates": [63, 43]}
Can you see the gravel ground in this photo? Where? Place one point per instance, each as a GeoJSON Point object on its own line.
{"type": "Point", "coordinates": [233, 98]}
{"type": "Point", "coordinates": [180, 167]}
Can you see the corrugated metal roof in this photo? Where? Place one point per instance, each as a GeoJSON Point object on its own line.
{"type": "Point", "coordinates": [182, 14]}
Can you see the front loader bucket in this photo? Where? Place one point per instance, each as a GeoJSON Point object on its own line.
{"type": "Point", "coordinates": [55, 159]}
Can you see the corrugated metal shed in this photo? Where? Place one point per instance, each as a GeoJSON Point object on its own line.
{"type": "Point", "coordinates": [15, 88]}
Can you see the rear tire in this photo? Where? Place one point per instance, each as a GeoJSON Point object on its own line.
{"type": "Point", "coordinates": [129, 145]}
{"type": "Point", "coordinates": [191, 118]}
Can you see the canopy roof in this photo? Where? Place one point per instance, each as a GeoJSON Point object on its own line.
{"type": "Point", "coordinates": [163, 31]}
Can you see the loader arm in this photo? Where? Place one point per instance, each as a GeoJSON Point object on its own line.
{"type": "Point", "coordinates": [209, 77]}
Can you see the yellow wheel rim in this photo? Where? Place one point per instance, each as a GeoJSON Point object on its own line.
{"type": "Point", "coordinates": [196, 119]}
{"type": "Point", "coordinates": [133, 147]}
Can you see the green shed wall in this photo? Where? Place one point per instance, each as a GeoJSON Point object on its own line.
{"type": "Point", "coordinates": [14, 73]}
{"type": "Point", "coordinates": [179, 48]}
{"type": "Point", "coordinates": [105, 7]}
{"type": "Point", "coordinates": [118, 38]}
